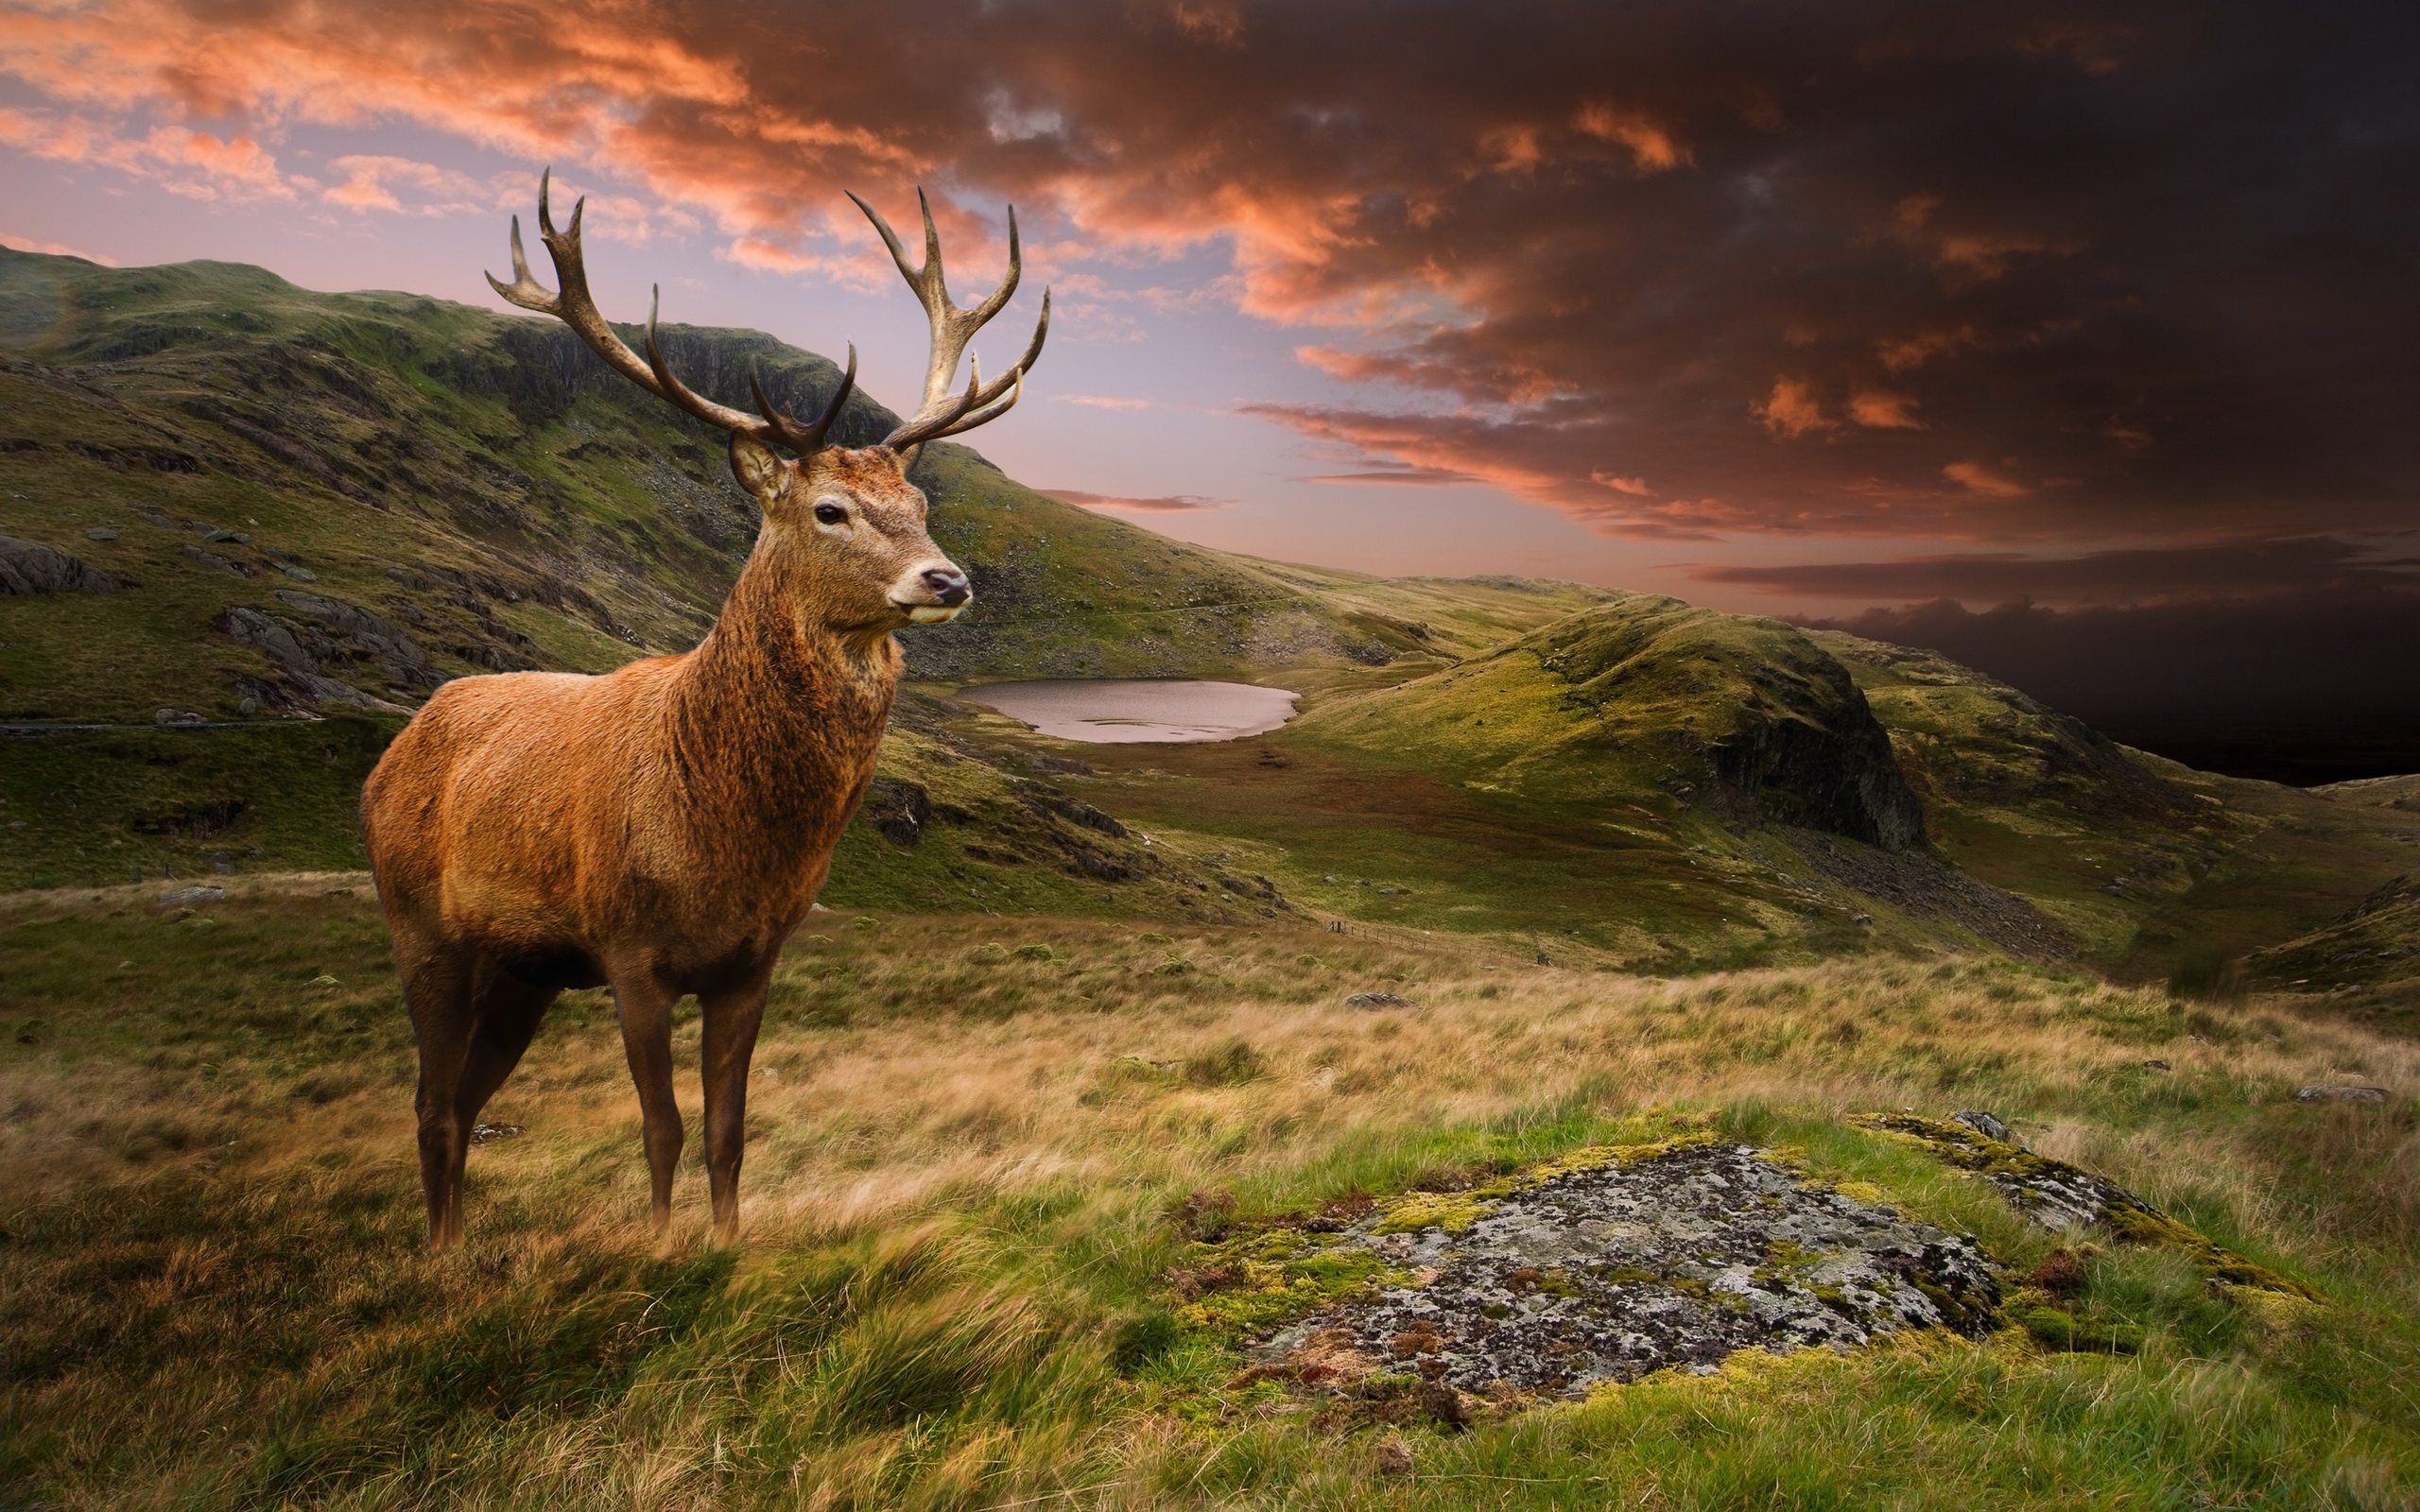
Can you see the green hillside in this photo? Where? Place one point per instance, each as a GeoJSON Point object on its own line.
{"type": "Point", "coordinates": [2155, 870]}
{"type": "Point", "coordinates": [226, 502]}
{"type": "Point", "coordinates": [295, 493]}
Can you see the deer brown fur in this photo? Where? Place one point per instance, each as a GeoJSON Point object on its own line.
{"type": "Point", "coordinates": [663, 829]}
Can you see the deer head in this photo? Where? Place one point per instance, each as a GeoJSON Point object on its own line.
{"type": "Point", "coordinates": [843, 527]}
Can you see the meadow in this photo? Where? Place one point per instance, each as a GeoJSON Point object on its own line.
{"type": "Point", "coordinates": [983, 1153]}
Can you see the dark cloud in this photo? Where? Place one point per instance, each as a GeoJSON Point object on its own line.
{"type": "Point", "coordinates": [2313, 685]}
{"type": "Point", "coordinates": [2305, 565]}
{"type": "Point", "coordinates": [1169, 504]}
{"type": "Point", "coordinates": [2028, 271]}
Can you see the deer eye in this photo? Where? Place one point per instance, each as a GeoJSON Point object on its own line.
{"type": "Point", "coordinates": [830, 514]}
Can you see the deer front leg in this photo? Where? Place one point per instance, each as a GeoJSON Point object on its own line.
{"type": "Point", "coordinates": [732, 1019]}
{"type": "Point", "coordinates": [646, 1008]}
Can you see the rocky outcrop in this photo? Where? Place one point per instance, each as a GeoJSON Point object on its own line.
{"type": "Point", "coordinates": [333, 638]}
{"type": "Point", "coordinates": [1608, 1265]}
{"type": "Point", "coordinates": [28, 567]}
{"type": "Point", "coordinates": [1755, 719]}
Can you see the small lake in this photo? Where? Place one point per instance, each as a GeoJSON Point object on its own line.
{"type": "Point", "coordinates": [1119, 710]}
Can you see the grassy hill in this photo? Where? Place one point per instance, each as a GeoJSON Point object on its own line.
{"type": "Point", "coordinates": [303, 504]}
{"type": "Point", "coordinates": [409, 489]}
{"type": "Point", "coordinates": [1003, 1173]}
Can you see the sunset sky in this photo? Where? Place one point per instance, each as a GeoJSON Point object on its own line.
{"type": "Point", "coordinates": [1810, 308]}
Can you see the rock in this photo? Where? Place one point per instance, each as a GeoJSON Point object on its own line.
{"type": "Point", "coordinates": [212, 558]}
{"type": "Point", "coordinates": [2060, 1197]}
{"type": "Point", "coordinates": [1987, 1126]}
{"type": "Point", "coordinates": [2342, 1094]}
{"type": "Point", "coordinates": [305, 680]}
{"type": "Point", "coordinates": [365, 634]}
{"type": "Point", "coordinates": [205, 893]}
{"type": "Point", "coordinates": [1074, 811]}
{"type": "Point", "coordinates": [102, 533]}
{"type": "Point", "coordinates": [300, 574]}
{"type": "Point", "coordinates": [897, 810]}
{"type": "Point", "coordinates": [236, 536]}
{"type": "Point", "coordinates": [221, 862]}
{"type": "Point", "coordinates": [28, 567]}
{"type": "Point", "coordinates": [1377, 1000]}
{"type": "Point", "coordinates": [489, 1133]}
{"type": "Point", "coordinates": [1612, 1271]}
{"type": "Point", "coordinates": [174, 716]}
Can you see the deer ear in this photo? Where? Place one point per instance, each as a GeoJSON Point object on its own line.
{"type": "Point", "coordinates": [756, 468]}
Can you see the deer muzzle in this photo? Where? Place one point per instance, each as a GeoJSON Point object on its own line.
{"type": "Point", "coordinates": [936, 594]}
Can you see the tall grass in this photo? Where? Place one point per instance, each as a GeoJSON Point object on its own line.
{"type": "Point", "coordinates": [972, 1144]}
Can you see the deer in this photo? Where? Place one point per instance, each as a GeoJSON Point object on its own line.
{"type": "Point", "coordinates": [661, 830]}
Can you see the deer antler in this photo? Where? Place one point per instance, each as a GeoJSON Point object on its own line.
{"type": "Point", "coordinates": [575, 307]}
{"type": "Point", "coordinates": [945, 413]}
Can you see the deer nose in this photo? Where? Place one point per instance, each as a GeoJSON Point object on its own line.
{"type": "Point", "coordinates": [948, 585]}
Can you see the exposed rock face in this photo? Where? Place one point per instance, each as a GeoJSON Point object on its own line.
{"type": "Point", "coordinates": [1927, 886]}
{"type": "Point", "coordinates": [1613, 1271]}
{"type": "Point", "coordinates": [1782, 734]}
{"type": "Point", "coordinates": [28, 567]}
{"type": "Point", "coordinates": [897, 810]}
{"type": "Point", "coordinates": [336, 637]}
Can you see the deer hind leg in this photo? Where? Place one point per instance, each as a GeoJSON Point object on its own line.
{"type": "Point", "coordinates": [729, 1039]}
{"type": "Point", "coordinates": [646, 1008]}
{"type": "Point", "coordinates": [472, 1021]}
{"type": "Point", "coordinates": [505, 1015]}
{"type": "Point", "coordinates": [437, 989]}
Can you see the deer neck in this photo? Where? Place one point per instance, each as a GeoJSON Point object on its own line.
{"type": "Point", "coordinates": [777, 717]}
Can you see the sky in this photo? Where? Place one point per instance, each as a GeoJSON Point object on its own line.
{"type": "Point", "coordinates": [2017, 326]}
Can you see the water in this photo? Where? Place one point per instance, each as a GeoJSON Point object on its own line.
{"type": "Point", "coordinates": [1118, 710]}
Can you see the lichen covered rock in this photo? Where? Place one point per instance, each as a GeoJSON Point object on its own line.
{"type": "Point", "coordinates": [2059, 1195]}
{"type": "Point", "coordinates": [1606, 1272]}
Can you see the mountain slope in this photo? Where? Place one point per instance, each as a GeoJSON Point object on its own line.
{"type": "Point", "coordinates": [2158, 871]}
{"type": "Point", "coordinates": [297, 494]}
{"type": "Point", "coordinates": [227, 498]}
{"type": "Point", "coordinates": [1647, 697]}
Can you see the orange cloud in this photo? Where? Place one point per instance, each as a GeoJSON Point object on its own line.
{"type": "Point", "coordinates": [1879, 410]}
{"type": "Point", "coordinates": [196, 164]}
{"type": "Point", "coordinates": [1975, 475]}
{"type": "Point", "coordinates": [1791, 410]}
{"type": "Point", "coordinates": [1170, 504]}
{"type": "Point", "coordinates": [30, 244]}
{"type": "Point", "coordinates": [1650, 146]}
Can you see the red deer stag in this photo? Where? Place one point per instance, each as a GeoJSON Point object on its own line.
{"type": "Point", "coordinates": [661, 829]}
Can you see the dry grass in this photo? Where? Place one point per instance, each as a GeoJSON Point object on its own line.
{"type": "Point", "coordinates": [966, 1136]}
